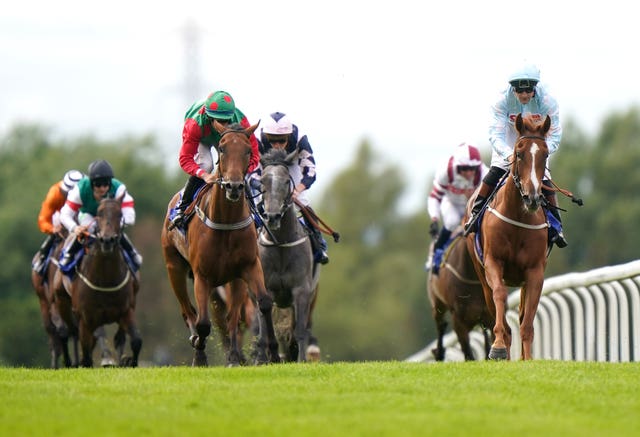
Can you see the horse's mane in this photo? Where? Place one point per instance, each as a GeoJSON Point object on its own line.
{"type": "Point", "coordinates": [275, 156]}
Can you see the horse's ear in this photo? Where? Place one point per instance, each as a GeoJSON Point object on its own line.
{"type": "Point", "coordinates": [292, 156]}
{"type": "Point", "coordinates": [252, 129]}
{"type": "Point", "coordinates": [519, 123]}
{"type": "Point", "coordinates": [547, 125]}
{"type": "Point", "coordinates": [218, 126]}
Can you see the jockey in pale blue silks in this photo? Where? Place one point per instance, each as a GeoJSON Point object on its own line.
{"type": "Point", "coordinates": [527, 96]}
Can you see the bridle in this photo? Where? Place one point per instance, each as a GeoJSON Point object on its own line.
{"type": "Point", "coordinates": [514, 173]}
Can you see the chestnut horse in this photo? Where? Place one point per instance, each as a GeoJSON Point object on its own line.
{"type": "Point", "coordinates": [291, 276]}
{"type": "Point", "coordinates": [103, 289]}
{"type": "Point", "coordinates": [511, 245]}
{"type": "Point", "coordinates": [457, 290]}
{"type": "Point", "coordinates": [221, 247]}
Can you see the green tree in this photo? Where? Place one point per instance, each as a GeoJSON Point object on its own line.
{"type": "Point", "coordinates": [372, 300]}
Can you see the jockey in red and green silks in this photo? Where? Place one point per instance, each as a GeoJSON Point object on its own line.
{"type": "Point", "coordinates": [198, 139]}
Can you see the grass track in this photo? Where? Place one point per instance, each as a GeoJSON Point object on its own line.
{"type": "Point", "coordinates": [535, 398]}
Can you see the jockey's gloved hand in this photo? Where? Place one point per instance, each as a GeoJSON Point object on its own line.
{"type": "Point", "coordinates": [433, 229]}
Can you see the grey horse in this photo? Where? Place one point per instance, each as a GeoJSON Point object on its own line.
{"type": "Point", "coordinates": [290, 274]}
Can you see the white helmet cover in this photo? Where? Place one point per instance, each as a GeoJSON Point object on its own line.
{"type": "Point", "coordinates": [527, 75]}
{"type": "Point", "coordinates": [466, 155]}
{"type": "Point", "coordinates": [70, 180]}
{"type": "Point", "coordinates": [278, 124]}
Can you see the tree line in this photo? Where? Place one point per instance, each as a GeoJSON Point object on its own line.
{"type": "Point", "coordinates": [372, 302]}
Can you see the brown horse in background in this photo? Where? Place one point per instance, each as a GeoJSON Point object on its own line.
{"type": "Point", "coordinates": [457, 290]}
{"type": "Point", "coordinates": [58, 332]}
{"type": "Point", "coordinates": [221, 247]}
{"type": "Point", "coordinates": [103, 289]}
{"type": "Point", "coordinates": [54, 326]}
{"type": "Point", "coordinates": [513, 238]}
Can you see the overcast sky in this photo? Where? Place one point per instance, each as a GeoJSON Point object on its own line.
{"type": "Point", "coordinates": [415, 78]}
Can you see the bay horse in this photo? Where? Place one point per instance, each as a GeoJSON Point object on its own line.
{"type": "Point", "coordinates": [510, 248]}
{"type": "Point", "coordinates": [457, 290]}
{"type": "Point", "coordinates": [291, 276]}
{"type": "Point", "coordinates": [58, 332]}
{"type": "Point", "coordinates": [103, 289]}
{"type": "Point", "coordinates": [220, 247]}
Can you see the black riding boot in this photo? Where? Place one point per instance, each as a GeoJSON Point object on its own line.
{"type": "Point", "coordinates": [438, 250]}
{"type": "Point", "coordinates": [127, 245]}
{"type": "Point", "coordinates": [43, 252]}
{"type": "Point", "coordinates": [478, 204]}
{"type": "Point", "coordinates": [190, 188]}
{"type": "Point", "coordinates": [70, 254]}
{"type": "Point", "coordinates": [318, 244]}
{"type": "Point", "coordinates": [557, 236]}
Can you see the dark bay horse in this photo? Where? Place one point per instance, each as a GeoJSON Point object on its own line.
{"type": "Point", "coordinates": [221, 247]}
{"type": "Point", "coordinates": [291, 276]}
{"type": "Point", "coordinates": [456, 289]}
{"type": "Point", "coordinates": [58, 332]}
{"type": "Point", "coordinates": [512, 238]}
{"type": "Point", "coordinates": [103, 289]}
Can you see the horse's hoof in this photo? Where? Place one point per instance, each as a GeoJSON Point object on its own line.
{"type": "Point", "coordinates": [199, 359]}
{"type": "Point", "coordinates": [107, 362]}
{"type": "Point", "coordinates": [498, 353]}
{"type": "Point", "coordinates": [313, 353]}
{"type": "Point", "coordinates": [438, 354]}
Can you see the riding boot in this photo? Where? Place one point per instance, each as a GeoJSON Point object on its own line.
{"type": "Point", "coordinates": [438, 249]}
{"type": "Point", "coordinates": [69, 254]}
{"type": "Point", "coordinates": [478, 205]}
{"type": "Point", "coordinates": [127, 245]}
{"type": "Point", "coordinates": [558, 235]}
{"type": "Point", "coordinates": [190, 188]}
{"type": "Point", "coordinates": [318, 243]}
{"type": "Point", "coordinates": [43, 252]}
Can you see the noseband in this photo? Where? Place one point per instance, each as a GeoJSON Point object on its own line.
{"type": "Point", "coordinates": [514, 174]}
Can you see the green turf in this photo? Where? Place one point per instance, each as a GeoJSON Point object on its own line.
{"type": "Point", "coordinates": [538, 398]}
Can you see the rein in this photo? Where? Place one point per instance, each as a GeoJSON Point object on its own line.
{"type": "Point", "coordinates": [316, 221]}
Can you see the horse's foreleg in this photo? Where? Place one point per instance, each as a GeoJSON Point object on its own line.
{"type": "Point", "coordinates": [236, 298]}
{"type": "Point", "coordinates": [135, 340]}
{"type": "Point", "coordinates": [254, 277]}
{"type": "Point", "coordinates": [106, 359]}
{"type": "Point", "coordinates": [87, 343]}
{"type": "Point", "coordinates": [462, 331]}
{"type": "Point", "coordinates": [530, 298]}
{"type": "Point", "coordinates": [493, 275]}
{"type": "Point", "coordinates": [202, 323]}
{"type": "Point", "coordinates": [438, 312]}
{"type": "Point", "coordinates": [302, 308]}
{"type": "Point", "coordinates": [177, 272]}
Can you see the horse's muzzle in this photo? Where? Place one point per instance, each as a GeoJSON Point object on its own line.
{"type": "Point", "coordinates": [273, 220]}
{"type": "Point", "coordinates": [107, 244]}
{"type": "Point", "coordinates": [532, 203]}
{"type": "Point", "coordinates": [233, 190]}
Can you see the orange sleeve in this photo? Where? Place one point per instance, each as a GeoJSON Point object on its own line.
{"type": "Point", "coordinates": [53, 202]}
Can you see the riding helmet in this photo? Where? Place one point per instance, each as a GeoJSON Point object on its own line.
{"type": "Point", "coordinates": [100, 169]}
{"type": "Point", "coordinates": [278, 124]}
{"type": "Point", "coordinates": [70, 180]}
{"type": "Point", "coordinates": [220, 105]}
{"type": "Point", "coordinates": [525, 77]}
{"type": "Point", "coordinates": [466, 155]}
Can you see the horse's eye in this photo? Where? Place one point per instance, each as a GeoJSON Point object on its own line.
{"type": "Point", "coordinates": [222, 149]}
{"type": "Point", "coordinates": [519, 155]}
